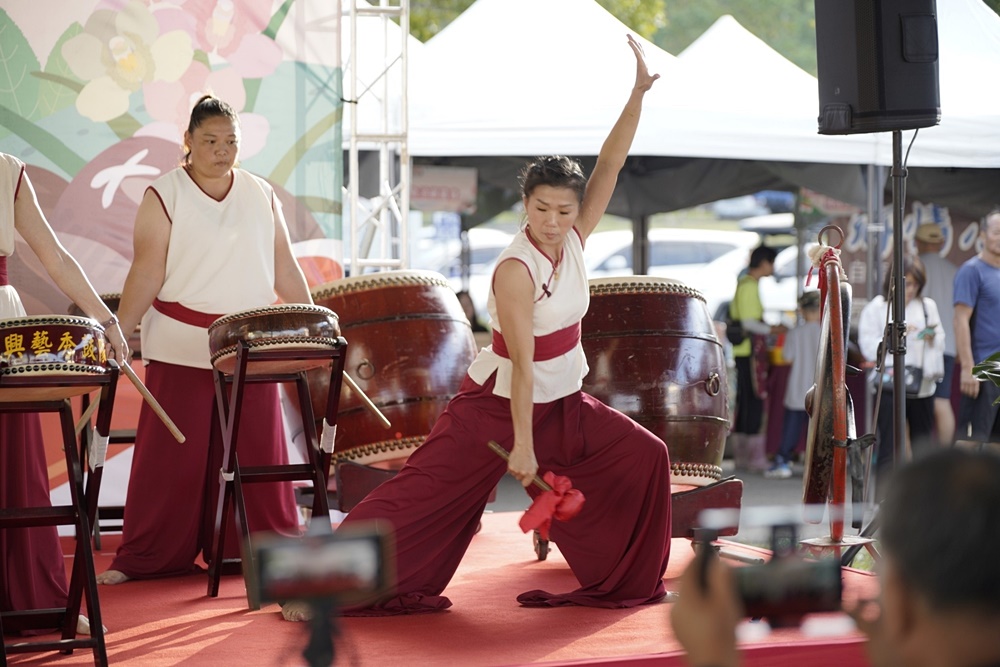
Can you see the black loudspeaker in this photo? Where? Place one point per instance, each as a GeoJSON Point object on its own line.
{"type": "Point", "coordinates": [877, 63]}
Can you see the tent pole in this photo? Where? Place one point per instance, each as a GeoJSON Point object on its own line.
{"type": "Point", "coordinates": [640, 244]}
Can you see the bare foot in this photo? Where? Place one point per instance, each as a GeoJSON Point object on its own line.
{"type": "Point", "coordinates": [83, 626]}
{"type": "Point", "coordinates": [296, 611]}
{"type": "Point", "coordinates": [112, 578]}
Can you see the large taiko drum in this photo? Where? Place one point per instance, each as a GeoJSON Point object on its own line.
{"type": "Point", "coordinates": [295, 326]}
{"type": "Point", "coordinates": [47, 348]}
{"type": "Point", "coordinates": [409, 347]}
{"type": "Point", "coordinates": [654, 356]}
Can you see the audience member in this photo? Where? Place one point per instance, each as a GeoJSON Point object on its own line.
{"type": "Point", "coordinates": [924, 350]}
{"type": "Point", "coordinates": [751, 357]}
{"type": "Point", "coordinates": [939, 604]}
{"type": "Point", "coordinates": [800, 350]}
{"type": "Point", "coordinates": [977, 334]}
{"type": "Point", "coordinates": [940, 287]}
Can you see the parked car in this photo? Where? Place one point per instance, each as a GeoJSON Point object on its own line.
{"type": "Point", "coordinates": [708, 260]}
{"type": "Point", "coordinates": [739, 207]}
{"type": "Point", "coordinates": [445, 257]}
{"type": "Point", "coordinates": [777, 201]}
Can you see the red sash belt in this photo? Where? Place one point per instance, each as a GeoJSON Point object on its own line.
{"type": "Point", "coordinates": [185, 314]}
{"type": "Point", "coordinates": [547, 347]}
{"type": "Point", "coordinates": [3, 271]}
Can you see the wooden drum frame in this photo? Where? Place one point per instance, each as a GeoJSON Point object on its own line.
{"type": "Point", "coordinates": [654, 356]}
{"type": "Point", "coordinates": [46, 348]}
{"type": "Point", "coordinates": [409, 348]}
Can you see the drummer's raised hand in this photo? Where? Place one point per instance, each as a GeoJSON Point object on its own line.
{"type": "Point", "coordinates": [643, 79]}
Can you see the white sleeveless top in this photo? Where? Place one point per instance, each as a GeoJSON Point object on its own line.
{"type": "Point", "coordinates": [10, 176]}
{"type": "Point", "coordinates": [220, 260]}
{"type": "Point", "coordinates": [564, 306]}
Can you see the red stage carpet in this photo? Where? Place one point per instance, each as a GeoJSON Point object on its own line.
{"type": "Point", "coordinates": [173, 622]}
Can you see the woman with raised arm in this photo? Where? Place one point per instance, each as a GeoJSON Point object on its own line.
{"type": "Point", "coordinates": [524, 392]}
{"type": "Point", "coordinates": [34, 570]}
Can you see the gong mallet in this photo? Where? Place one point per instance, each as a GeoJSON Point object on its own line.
{"type": "Point", "coordinates": [537, 481]}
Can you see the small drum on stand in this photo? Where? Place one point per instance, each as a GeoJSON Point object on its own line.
{"type": "Point", "coordinates": [654, 356]}
{"type": "Point", "coordinates": [410, 347]}
{"type": "Point", "coordinates": [289, 326]}
{"type": "Point", "coordinates": [49, 346]}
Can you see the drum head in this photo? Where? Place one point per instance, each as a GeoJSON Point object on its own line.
{"type": "Point", "coordinates": [285, 328]}
{"type": "Point", "coordinates": [374, 281]}
{"type": "Point", "coordinates": [641, 285]}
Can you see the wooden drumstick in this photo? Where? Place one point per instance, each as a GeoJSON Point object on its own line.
{"type": "Point", "coordinates": [537, 481]}
{"type": "Point", "coordinates": [174, 431]}
{"type": "Point", "coordinates": [87, 414]}
{"type": "Point", "coordinates": [367, 401]}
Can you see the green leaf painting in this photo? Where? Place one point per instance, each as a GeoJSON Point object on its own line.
{"type": "Point", "coordinates": [18, 89]}
{"type": "Point", "coordinates": [58, 88]}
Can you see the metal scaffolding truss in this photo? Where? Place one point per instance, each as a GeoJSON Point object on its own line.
{"type": "Point", "coordinates": [377, 93]}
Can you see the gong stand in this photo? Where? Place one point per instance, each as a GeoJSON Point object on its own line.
{"type": "Point", "coordinates": [897, 329]}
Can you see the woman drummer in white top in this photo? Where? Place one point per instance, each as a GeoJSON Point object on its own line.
{"type": "Point", "coordinates": [524, 392]}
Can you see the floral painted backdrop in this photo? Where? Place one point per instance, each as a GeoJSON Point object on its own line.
{"type": "Point", "coordinates": [95, 96]}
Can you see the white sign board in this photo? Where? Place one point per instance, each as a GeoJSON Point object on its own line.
{"type": "Point", "coordinates": [443, 189]}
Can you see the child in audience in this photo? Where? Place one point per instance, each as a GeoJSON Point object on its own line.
{"type": "Point", "coordinates": [800, 350]}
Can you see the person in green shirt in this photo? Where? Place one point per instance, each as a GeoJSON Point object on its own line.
{"type": "Point", "coordinates": [747, 436]}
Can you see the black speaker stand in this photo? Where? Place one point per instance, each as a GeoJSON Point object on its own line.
{"type": "Point", "coordinates": [897, 328]}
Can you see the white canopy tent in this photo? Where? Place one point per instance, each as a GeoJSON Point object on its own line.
{"type": "Point", "coordinates": [969, 133]}
{"type": "Point", "coordinates": [731, 116]}
{"type": "Point", "coordinates": [523, 77]}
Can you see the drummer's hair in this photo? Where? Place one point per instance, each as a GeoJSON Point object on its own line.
{"type": "Point", "coordinates": [557, 171]}
{"type": "Point", "coordinates": [941, 529]}
{"type": "Point", "coordinates": [208, 106]}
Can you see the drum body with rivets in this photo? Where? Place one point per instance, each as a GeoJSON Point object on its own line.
{"type": "Point", "coordinates": [409, 348]}
{"type": "Point", "coordinates": [49, 347]}
{"type": "Point", "coordinates": [654, 355]}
